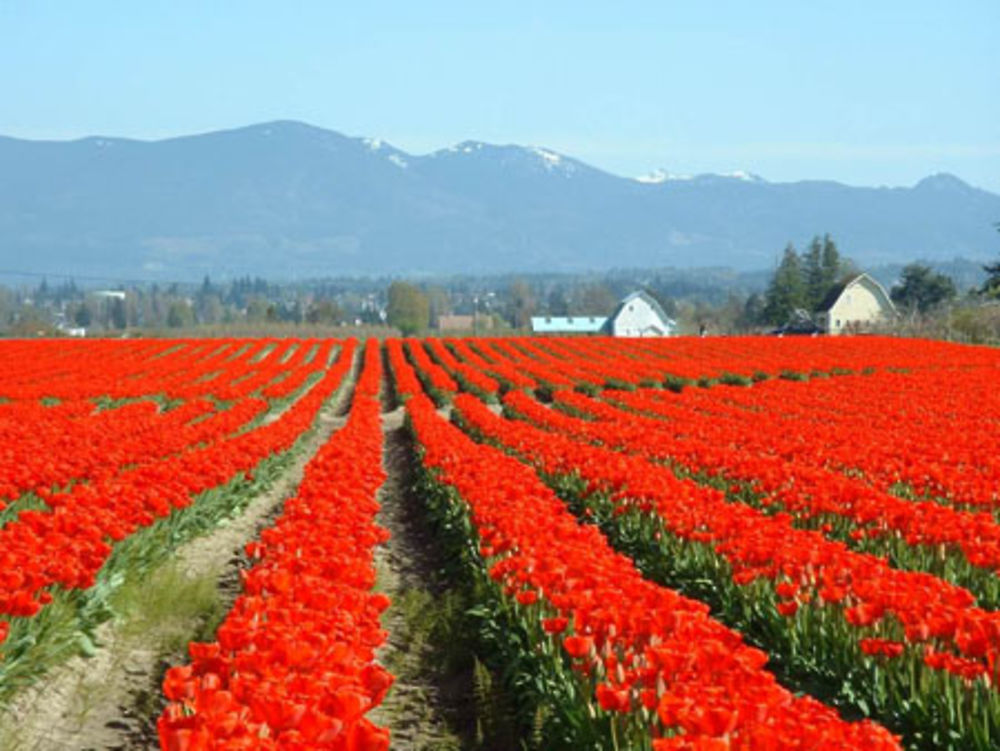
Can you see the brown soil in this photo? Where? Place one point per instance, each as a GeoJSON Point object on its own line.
{"type": "Point", "coordinates": [412, 710]}
{"type": "Point", "coordinates": [110, 702]}
{"type": "Point", "coordinates": [423, 704]}
{"type": "Point", "coordinates": [435, 702]}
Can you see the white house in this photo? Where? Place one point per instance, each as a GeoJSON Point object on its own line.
{"type": "Point", "coordinates": [639, 314]}
{"type": "Point", "coordinates": [854, 306]}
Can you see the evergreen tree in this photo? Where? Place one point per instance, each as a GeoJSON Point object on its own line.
{"type": "Point", "coordinates": [991, 287]}
{"type": "Point", "coordinates": [833, 266]}
{"type": "Point", "coordinates": [83, 316]}
{"type": "Point", "coordinates": [814, 272]}
{"type": "Point", "coordinates": [179, 315]}
{"type": "Point", "coordinates": [921, 289]}
{"type": "Point", "coordinates": [787, 290]}
{"type": "Point", "coordinates": [753, 311]}
{"type": "Point", "coordinates": [557, 304]}
{"type": "Point", "coordinates": [119, 319]}
{"type": "Point", "coordinates": [822, 268]}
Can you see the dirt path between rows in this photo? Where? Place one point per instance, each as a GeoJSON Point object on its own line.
{"type": "Point", "coordinates": [418, 705]}
{"type": "Point", "coordinates": [110, 702]}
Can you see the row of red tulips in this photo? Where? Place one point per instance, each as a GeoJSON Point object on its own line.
{"type": "Point", "coordinates": [768, 452]}
{"type": "Point", "coordinates": [227, 369]}
{"type": "Point", "coordinates": [712, 357]}
{"type": "Point", "coordinates": [67, 369]}
{"type": "Point", "coordinates": [470, 378]}
{"type": "Point", "coordinates": [885, 430]}
{"type": "Point", "coordinates": [498, 368]}
{"type": "Point", "coordinates": [963, 546]}
{"type": "Point", "coordinates": [68, 544]}
{"type": "Point", "coordinates": [293, 666]}
{"type": "Point", "coordinates": [48, 446]}
{"type": "Point", "coordinates": [651, 663]}
{"type": "Point", "coordinates": [562, 362]}
{"type": "Point", "coordinates": [869, 591]}
{"type": "Point", "coordinates": [437, 379]}
{"type": "Point", "coordinates": [835, 604]}
{"type": "Point", "coordinates": [807, 489]}
{"type": "Point", "coordinates": [293, 663]}
{"type": "Point", "coordinates": [52, 446]}
{"type": "Point", "coordinates": [281, 371]}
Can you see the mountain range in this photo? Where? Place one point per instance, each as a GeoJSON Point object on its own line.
{"type": "Point", "coordinates": [289, 200]}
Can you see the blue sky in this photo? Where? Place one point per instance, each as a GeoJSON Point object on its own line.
{"type": "Point", "coordinates": [868, 93]}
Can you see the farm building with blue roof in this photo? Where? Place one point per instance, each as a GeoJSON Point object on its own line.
{"type": "Point", "coordinates": [638, 314]}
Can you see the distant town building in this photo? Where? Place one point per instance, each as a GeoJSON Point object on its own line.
{"type": "Point", "coordinates": [110, 294]}
{"type": "Point", "coordinates": [637, 315]}
{"type": "Point", "coordinates": [464, 322]}
{"type": "Point", "coordinates": [854, 306]}
{"type": "Point", "coordinates": [77, 331]}
{"type": "Point", "coordinates": [567, 324]}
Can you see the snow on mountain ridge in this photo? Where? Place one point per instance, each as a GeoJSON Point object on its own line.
{"type": "Point", "coordinates": [747, 177]}
{"type": "Point", "coordinates": [553, 161]}
{"type": "Point", "coordinates": [465, 147]}
{"type": "Point", "coordinates": [512, 154]}
{"type": "Point", "coordinates": [660, 175]}
{"type": "Point", "coordinates": [391, 153]}
{"type": "Point", "coordinates": [551, 158]}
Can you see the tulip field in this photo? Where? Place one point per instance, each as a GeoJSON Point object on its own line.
{"type": "Point", "coordinates": [711, 544]}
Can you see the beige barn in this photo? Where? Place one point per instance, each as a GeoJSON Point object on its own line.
{"type": "Point", "coordinates": [855, 306]}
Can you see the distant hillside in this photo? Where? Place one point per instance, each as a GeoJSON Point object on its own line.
{"type": "Point", "coordinates": [286, 199]}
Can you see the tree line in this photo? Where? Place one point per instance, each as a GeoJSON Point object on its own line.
{"type": "Point", "coordinates": [802, 283]}
{"type": "Point", "coordinates": [719, 301]}
{"type": "Point", "coordinates": [928, 301]}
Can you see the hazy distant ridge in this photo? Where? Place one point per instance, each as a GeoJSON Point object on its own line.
{"type": "Point", "coordinates": [288, 199]}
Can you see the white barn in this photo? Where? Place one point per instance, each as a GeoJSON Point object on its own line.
{"type": "Point", "coordinates": [639, 314]}
{"type": "Point", "coordinates": [855, 306]}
